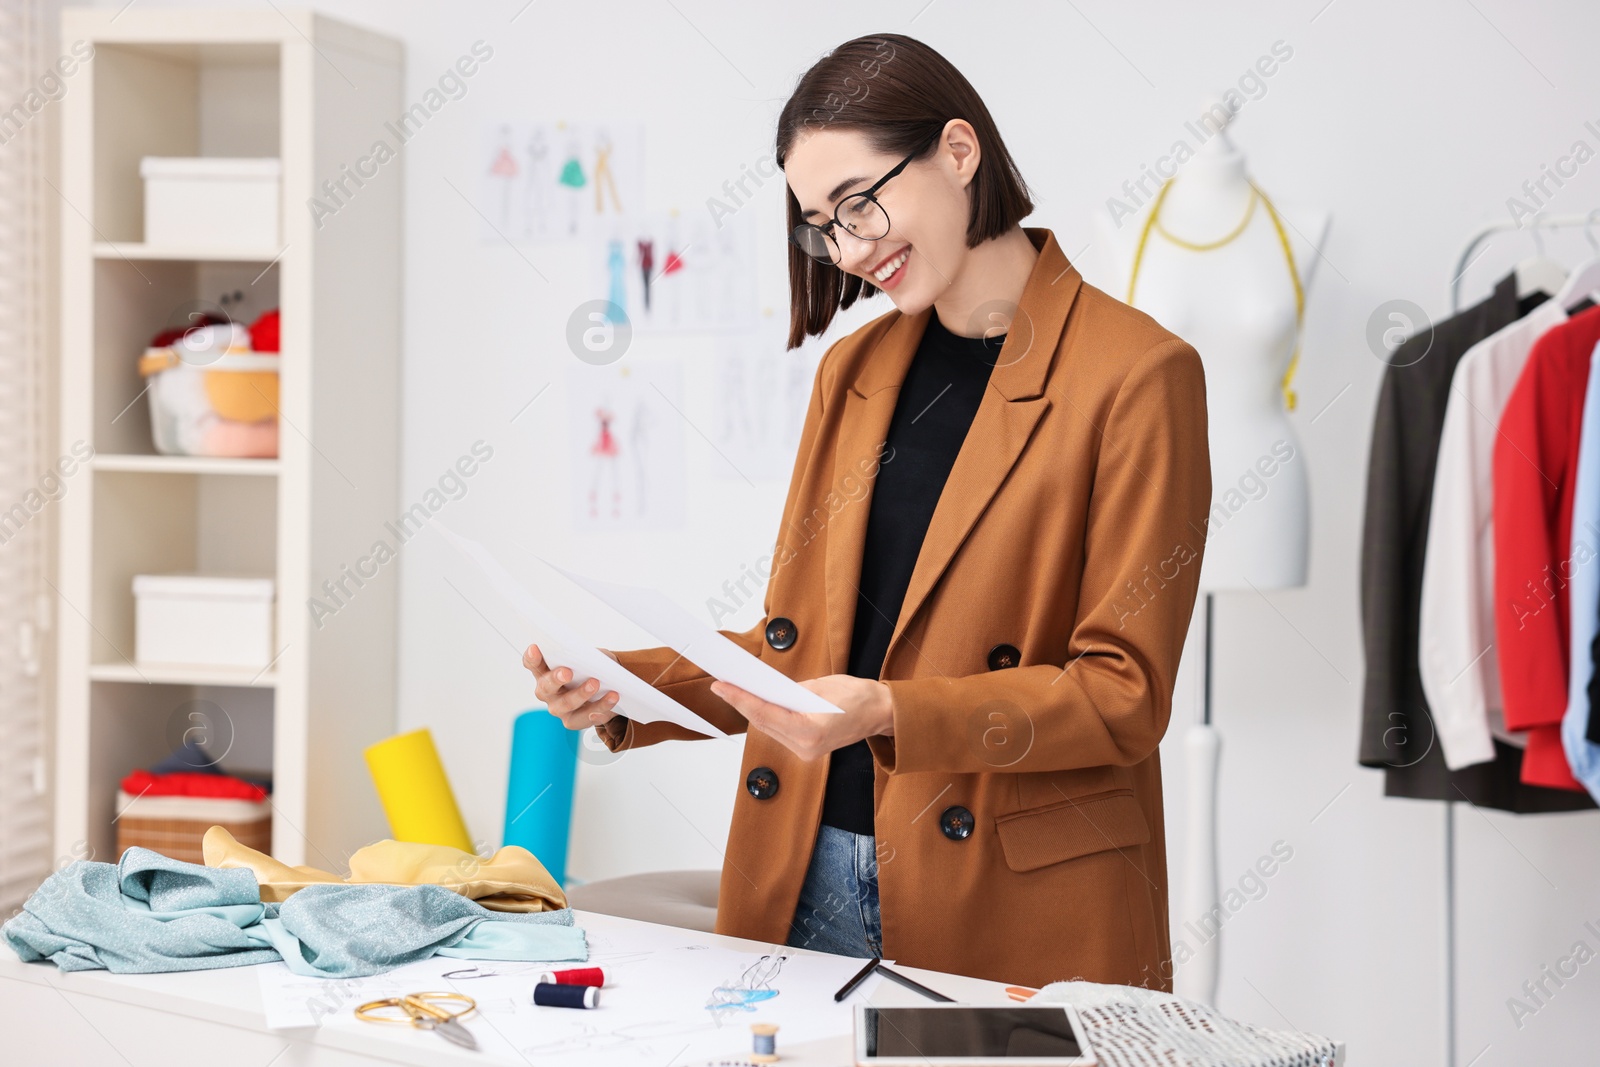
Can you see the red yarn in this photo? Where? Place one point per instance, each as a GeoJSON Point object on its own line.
{"type": "Point", "coordinates": [264, 332]}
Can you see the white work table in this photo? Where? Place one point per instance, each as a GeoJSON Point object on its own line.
{"type": "Point", "coordinates": [203, 1018]}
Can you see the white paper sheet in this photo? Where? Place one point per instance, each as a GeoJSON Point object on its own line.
{"type": "Point", "coordinates": [703, 646]}
{"type": "Point", "coordinates": [291, 1000]}
{"type": "Point", "coordinates": [671, 996]}
{"type": "Point", "coordinates": [681, 1004]}
{"type": "Point", "coordinates": [690, 1003]}
{"type": "Point", "coordinates": [563, 647]}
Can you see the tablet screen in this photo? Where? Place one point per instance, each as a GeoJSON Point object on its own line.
{"type": "Point", "coordinates": [988, 1032]}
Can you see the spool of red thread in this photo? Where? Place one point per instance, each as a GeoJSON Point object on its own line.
{"type": "Point", "coordinates": [575, 976]}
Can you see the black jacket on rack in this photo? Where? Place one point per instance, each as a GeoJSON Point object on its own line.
{"type": "Point", "coordinates": [1396, 726]}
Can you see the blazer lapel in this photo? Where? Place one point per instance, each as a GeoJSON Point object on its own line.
{"type": "Point", "coordinates": [1010, 410]}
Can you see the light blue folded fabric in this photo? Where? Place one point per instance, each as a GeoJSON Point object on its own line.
{"type": "Point", "coordinates": [349, 931]}
{"type": "Point", "coordinates": [509, 938]}
{"type": "Point", "coordinates": [166, 886]}
{"type": "Point", "coordinates": [149, 913]}
{"type": "Point", "coordinates": [168, 918]}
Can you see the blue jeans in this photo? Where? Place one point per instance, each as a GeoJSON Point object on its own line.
{"type": "Point", "coordinates": [838, 909]}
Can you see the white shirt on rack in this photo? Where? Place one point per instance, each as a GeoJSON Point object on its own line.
{"type": "Point", "coordinates": [1456, 637]}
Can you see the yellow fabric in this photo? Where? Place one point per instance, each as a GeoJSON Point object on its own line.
{"type": "Point", "coordinates": [243, 396]}
{"type": "Point", "coordinates": [512, 879]}
{"type": "Point", "coordinates": [415, 791]}
{"type": "Point", "coordinates": [1288, 254]}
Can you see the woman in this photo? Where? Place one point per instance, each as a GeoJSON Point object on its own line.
{"type": "Point", "coordinates": [988, 558]}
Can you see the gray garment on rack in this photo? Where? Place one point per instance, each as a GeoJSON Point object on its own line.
{"type": "Point", "coordinates": [150, 913]}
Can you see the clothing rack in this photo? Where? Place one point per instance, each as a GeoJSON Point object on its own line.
{"type": "Point", "coordinates": [1555, 223]}
{"type": "Point", "coordinates": [1466, 259]}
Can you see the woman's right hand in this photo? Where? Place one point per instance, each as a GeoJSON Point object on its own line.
{"type": "Point", "coordinates": [578, 707]}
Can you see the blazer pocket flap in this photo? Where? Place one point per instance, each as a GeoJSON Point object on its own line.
{"type": "Point", "coordinates": [1042, 836]}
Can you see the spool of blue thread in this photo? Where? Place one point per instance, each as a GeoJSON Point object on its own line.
{"type": "Point", "coordinates": [552, 995]}
{"type": "Point", "coordinates": [765, 1042]}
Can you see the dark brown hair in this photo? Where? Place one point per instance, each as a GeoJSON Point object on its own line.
{"type": "Point", "coordinates": [899, 92]}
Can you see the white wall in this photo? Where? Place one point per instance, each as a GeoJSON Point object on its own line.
{"type": "Point", "coordinates": [1410, 122]}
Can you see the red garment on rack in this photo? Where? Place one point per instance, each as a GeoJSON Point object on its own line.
{"type": "Point", "coordinates": [1535, 469]}
{"type": "Point", "coordinates": [191, 784]}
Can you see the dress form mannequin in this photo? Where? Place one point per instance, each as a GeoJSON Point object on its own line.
{"type": "Point", "coordinates": [1236, 304]}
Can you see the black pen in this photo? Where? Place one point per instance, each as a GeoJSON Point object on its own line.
{"type": "Point", "coordinates": [857, 980]}
{"type": "Point", "coordinates": [909, 984]}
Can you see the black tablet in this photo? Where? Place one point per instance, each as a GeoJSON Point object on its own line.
{"type": "Point", "coordinates": [964, 1035]}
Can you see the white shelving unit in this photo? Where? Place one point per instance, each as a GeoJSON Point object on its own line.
{"type": "Point", "coordinates": [140, 250]}
{"type": "Point", "coordinates": [315, 93]}
{"type": "Point", "coordinates": [185, 465]}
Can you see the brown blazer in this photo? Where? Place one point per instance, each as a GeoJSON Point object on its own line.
{"type": "Point", "coordinates": [1018, 820]}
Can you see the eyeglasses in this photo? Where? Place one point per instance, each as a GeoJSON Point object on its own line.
{"type": "Point", "coordinates": [860, 213]}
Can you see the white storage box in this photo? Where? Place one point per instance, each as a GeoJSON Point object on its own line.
{"type": "Point", "coordinates": [205, 620]}
{"type": "Point", "coordinates": [208, 202]}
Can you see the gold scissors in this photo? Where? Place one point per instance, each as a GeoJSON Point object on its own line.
{"type": "Point", "coordinates": [430, 1011]}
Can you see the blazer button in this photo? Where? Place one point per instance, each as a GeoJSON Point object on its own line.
{"type": "Point", "coordinates": [1003, 656]}
{"type": "Point", "coordinates": [956, 822]}
{"type": "Point", "coordinates": [762, 783]}
{"type": "Point", "coordinates": [781, 633]}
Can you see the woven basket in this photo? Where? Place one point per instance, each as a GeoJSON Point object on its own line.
{"type": "Point", "coordinates": [175, 826]}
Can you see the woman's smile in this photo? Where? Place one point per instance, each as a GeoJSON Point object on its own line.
{"type": "Point", "coordinates": [890, 272]}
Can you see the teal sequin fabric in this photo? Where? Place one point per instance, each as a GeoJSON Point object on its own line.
{"type": "Point", "coordinates": [149, 913]}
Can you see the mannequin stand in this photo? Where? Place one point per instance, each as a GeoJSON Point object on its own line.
{"type": "Point", "coordinates": [1202, 746]}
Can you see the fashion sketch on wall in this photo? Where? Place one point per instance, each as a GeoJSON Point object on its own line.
{"type": "Point", "coordinates": [759, 399]}
{"type": "Point", "coordinates": [627, 441]}
{"type": "Point", "coordinates": [557, 180]}
{"type": "Point", "coordinates": [674, 271]}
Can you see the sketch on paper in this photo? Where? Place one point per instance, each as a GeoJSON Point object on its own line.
{"type": "Point", "coordinates": [759, 394]}
{"type": "Point", "coordinates": [669, 997]}
{"type": "Point", "coordinates": [628, 437]}
{"type": "Point", "coordinates": [750, 989]}
{"type": "Point", "coordinates": [555, 181]}
{"type": "Point", "coordinates": [671, 271]}
{"type": "Point", "coordinates": [671, 1028]}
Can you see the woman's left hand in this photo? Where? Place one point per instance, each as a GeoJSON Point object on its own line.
{"type": "Point", "coordinates": [867, 705]}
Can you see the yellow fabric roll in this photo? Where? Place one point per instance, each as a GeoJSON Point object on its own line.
{"type": "Point", "coordinates": [512, 879]}
{"type": "Point", "coordinates": [415, 792]}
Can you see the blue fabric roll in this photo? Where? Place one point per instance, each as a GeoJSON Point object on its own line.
{"type": "Point", "coordinates": [149, 913]}
{"type": "Point", "coordinates": [544, 766]}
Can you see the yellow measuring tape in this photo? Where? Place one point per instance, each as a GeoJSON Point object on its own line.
{"type": "Point", "coordinates": [1283, 238]}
